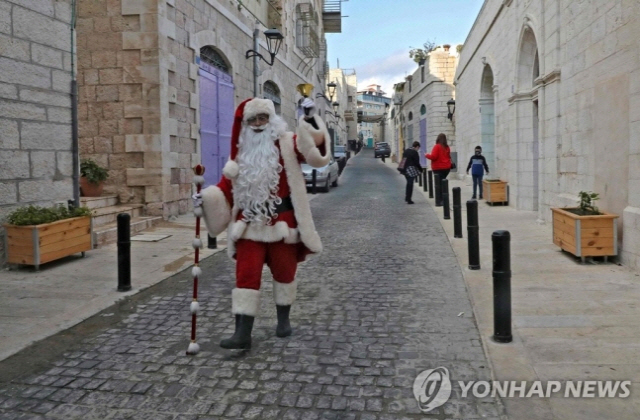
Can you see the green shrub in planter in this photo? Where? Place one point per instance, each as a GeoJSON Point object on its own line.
{"type": "Point", "coordinates": [36, 215]}
{"type": "Point", "coordinates": [93, 172]}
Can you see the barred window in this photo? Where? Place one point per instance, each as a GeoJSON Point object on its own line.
{"type": "Point", "coordinates": [213, 58]}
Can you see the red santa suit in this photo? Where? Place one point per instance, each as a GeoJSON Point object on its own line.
{"type": "Point", "coordinates": [290, 236]}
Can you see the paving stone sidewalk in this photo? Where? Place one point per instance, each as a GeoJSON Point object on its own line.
{"type": "Point", "coordinates": [384, 302]}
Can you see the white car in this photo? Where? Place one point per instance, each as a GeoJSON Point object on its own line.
{"type": "Point", "coordinates": [339, 152]}
{"type": "Point", "coordinates": [326, 176]}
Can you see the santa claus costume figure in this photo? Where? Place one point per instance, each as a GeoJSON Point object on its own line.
{"type": "Point", "coordinates": [262, 202]}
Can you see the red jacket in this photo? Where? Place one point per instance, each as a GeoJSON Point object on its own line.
{"type": "Point", "coordinates": [440, 157]}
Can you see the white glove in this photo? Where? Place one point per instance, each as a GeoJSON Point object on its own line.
{"type": "Point", "coordinates": [308, 103]}
{"type": "Point", "coordinates": [197, 200]}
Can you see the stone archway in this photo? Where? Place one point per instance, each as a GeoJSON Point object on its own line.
{"type": "Point", "coordinates": [528, 122]}
{"type": "Point", "coordinates": [487, 118]}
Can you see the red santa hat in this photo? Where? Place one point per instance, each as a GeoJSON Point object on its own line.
{"type": "Point", "coordinates": [247, 109]}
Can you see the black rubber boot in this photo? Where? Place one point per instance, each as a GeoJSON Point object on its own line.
{"type": "Point", "coordinates": [284, 328]}
{"type": "Point", "coordinates": [241, 339]}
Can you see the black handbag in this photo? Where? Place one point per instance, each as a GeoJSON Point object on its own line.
{"type": "Point", "coordinates": [401, 165]}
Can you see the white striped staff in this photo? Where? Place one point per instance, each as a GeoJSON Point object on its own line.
{"type": "Point", "coordinates": [198, 179]}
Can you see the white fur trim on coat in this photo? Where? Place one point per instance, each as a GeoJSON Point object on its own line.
{"type": "Point", "coordinates": [298, 188]}
{"type": "Point", "coordinates": [309, 139]}
{"type": "Point", "coordinates": [258, 106]}
{"type": "Point", "coordinates": [216, 210]}
{"type": "Point", "coordinates": [231, 169]}
{"type": "Point", "coordinates": [285, 293]}
{"type": "Point", "coordinates": [245, 302]}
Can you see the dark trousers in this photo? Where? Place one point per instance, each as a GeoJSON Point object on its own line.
{"type": "Point", "coordinates": [442, 173]}
{"type": "Point", "coordinates": [477, 183]}
{"type": "Point", "coordinates": [409, 189]}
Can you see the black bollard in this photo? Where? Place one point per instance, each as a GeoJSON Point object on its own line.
{"type": "Point", "coordinates": [473, 235]}
{"type": "Point", "coordinates": [314, 175]}
{"type": "Point", "coordinates": [437, 183]}
{"type": "Point", "coordinates": [501, 286]}
{"type": "Point", "coordinates": [430, 177]}
{"type": "Point", "coordinates": [124, 252]}
{"type": "Point", "coordinates": [445, 199]}
{"type": "Point", "coordinates": [424, 179]}
{"type": "Point", "coordinates": [212, 242]}
{"type": "Point", "coordinates": [457, 213]}
{"type": "Point", "coordinates": [419, 180]}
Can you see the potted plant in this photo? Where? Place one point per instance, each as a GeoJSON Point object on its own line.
{"type": "Point", "coordinates": [36, 235]}
{"type": "Point", "coordinates": [585, 231]}
{"type": "Point", "coordinates": [92, 177]}
{"type": "Point", "coordinates": [495, 191]}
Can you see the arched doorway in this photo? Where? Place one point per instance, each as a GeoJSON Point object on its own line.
{"type": "Point", "coordinates": [271, 91]}
{"type": "Point", "coordinates": [487, 119]}
{"type": "Point", "coordinates": [528, 122]}
{"type": "Point", "coordinates": [216, 112]}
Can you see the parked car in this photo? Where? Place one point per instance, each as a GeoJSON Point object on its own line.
{"type": "Point", "coordinates": [382, 149]}
{"type": "Point", "coordinates": [326, 176]}
{"type": "Point", "coordinates": [339, 152]}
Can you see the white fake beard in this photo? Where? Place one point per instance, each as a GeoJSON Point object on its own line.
{"type": "Point", "coordinates": [256, 188]}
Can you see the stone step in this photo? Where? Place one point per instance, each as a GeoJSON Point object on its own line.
{"type": "Point", "coordinates": [104, 215]}
{"type": "Point", "coordinates": [108, 234]}
{"type": "Point", "coordinates": [99, 202]}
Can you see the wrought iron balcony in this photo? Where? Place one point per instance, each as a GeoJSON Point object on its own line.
{"type": "Point", "coordinates": [332, 16]}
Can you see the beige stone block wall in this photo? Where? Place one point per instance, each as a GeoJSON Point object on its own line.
{"type": "Point", "coordinates": [35, 107]}
{"type": "Point", "coordinates": [119, 90]}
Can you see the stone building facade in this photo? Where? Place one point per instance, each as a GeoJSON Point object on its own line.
{"type": "Point", "coordinates": [557, 86]}
{"type": "Point", "coordinates": [420, 104]}
{"type": "Point", "coordinates": [343, 118]}
{"type": "Point", "coordinates": [160, 79]}
{"type": "Point", "coordinates": [35, 104]}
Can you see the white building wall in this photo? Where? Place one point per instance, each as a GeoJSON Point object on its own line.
{"type": "Point", "coordinates": [588, 95]}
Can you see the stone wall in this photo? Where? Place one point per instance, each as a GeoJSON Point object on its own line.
{"type": "Point", "coordinates": [566, 119]}
{"type": "Point", "coordinates": [431, 86]}
{"type": "Point", "coordinates": [140, 105]}
{"type": "Point", "coordinates": [35, 104]}
{"type": "Point", "coordinates": [119, 94]}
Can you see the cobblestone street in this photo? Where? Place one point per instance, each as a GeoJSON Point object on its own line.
{"type": "Point", "coordinates": [385, 301]}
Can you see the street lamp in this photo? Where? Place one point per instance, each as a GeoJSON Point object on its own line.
{"type": "Point", "coordinates": [274, 41]}
{"type": "Point", "coordinates": [335, 106]}
{"type": "Point", "coordinates": [451, 106]}
{"type": "Point", "coordinates": [332, 89]}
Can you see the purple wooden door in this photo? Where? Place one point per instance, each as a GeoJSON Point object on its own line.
{"type": "Point", "coordinates": [423, 142]}
{"type": "Point", "coordinates": [216, 120]}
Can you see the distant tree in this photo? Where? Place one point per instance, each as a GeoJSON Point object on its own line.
{"type": "Point", "coordinates": [419, 54]}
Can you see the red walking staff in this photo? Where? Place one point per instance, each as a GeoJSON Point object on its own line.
{"type": "Point", "coordinates": [198, 180]}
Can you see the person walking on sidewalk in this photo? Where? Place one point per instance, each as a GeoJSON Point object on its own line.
{"type": "Point", "coordinates": [477, 164]}
{"type": "Point", "coordinates": [262, 202]}
{"type": "Point", "coordinates": [440, 157]}
{"type": "Point", "coordinates": [412, 169]}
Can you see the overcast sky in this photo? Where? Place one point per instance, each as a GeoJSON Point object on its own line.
{"type": "Point", "coordinates": [377, 35]}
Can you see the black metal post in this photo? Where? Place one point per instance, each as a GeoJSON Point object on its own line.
{"type": "Point", "coordinates": [473, 235]}
{"type": "Point", "coordinates": [457, 213]}
{"type": "Point", "coordinates": [430, 177]}
{"type": "Point", "coordinates": [212, 242]}
{"type": "Point", "coordinates": [314, 175]}
{"type": "Point", "coordinates": [124, 252]}
{"type": "Point", "coordinates": [445, 199]}
{"type": "Point", "coordinates": [438, 186]}
{"type": "Point", "coordinates": [382, 158]}
{"type": "Point", "coordinates": [501, 286]}
{"type": "Point", "coordinates": [424, 179]}
{"type": "Point", "coordinates": [419, 180]}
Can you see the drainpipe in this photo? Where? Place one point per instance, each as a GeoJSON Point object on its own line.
{"type": "Point", "coordinates": [74, 114]}
{"type": "Point", "coordinates": [256, 48]}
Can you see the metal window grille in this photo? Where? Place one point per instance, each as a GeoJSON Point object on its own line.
{"type": "Point", "coordinates": [212, 57]}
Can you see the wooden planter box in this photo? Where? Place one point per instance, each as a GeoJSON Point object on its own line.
{"type": "Point", "coordinates": [39, 244]}
{"type": "Point", "coordinates": [586, 236]}
{"type": "Point", "coordinates": [495, 192]}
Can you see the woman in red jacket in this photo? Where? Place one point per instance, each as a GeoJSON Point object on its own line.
{"type": "Point", "coordinates": [440, 157]}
